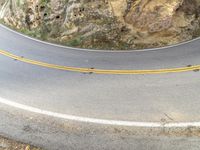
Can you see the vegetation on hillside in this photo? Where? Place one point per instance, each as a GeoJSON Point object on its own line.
{"type": "Point", "coordinates": [105, 24]}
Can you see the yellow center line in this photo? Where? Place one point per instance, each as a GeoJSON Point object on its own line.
{"type": "Point", "coordinates": [98, 71]}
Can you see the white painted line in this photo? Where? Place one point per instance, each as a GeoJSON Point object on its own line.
{"type": "Point", "coordinates": [98, 121]}
{"type": "Point", "coordinates": [98, 50]}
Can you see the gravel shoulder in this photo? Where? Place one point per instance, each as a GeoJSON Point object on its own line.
{"type": "Point", "coordinates": [8, 144]}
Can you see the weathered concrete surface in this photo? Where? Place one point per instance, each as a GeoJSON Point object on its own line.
{"type": "Point", "coordinates": [55, 134]}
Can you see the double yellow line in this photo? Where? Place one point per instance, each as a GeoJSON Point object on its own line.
{"type": "Point", "coordinates": [98, 71]}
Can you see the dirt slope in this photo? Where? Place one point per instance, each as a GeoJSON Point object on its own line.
{"type": "Point", "coordinates": [105, 24]}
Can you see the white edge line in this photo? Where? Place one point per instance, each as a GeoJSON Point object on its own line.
{"type": "Point", "coordinates": [98, 50]}
{"type": "Point", "coordinates": [98, 121]}
{"type": "Point", "coordinates": [94, 120]}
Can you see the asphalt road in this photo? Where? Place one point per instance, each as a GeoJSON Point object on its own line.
{"type": "Point", "coordinates": [144, 98]}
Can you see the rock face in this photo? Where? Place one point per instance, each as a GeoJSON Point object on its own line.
{"type": "Point", "coordinates": [105, 24]}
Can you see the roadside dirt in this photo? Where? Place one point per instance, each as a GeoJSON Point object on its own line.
{"type": "Point", "coordinates": [7, 144]}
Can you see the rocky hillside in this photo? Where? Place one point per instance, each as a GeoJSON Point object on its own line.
{"type": "Point", "coordinates": [105, 24]}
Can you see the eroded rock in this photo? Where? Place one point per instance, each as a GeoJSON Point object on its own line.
{"type": "Point", "coordinates": [105, 24]}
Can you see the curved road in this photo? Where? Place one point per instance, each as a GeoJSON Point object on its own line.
{"type": "Point", "coordinates": [143, 100]}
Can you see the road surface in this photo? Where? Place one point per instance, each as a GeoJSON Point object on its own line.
{"type": "Point", "coordinates": [100, 87]}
